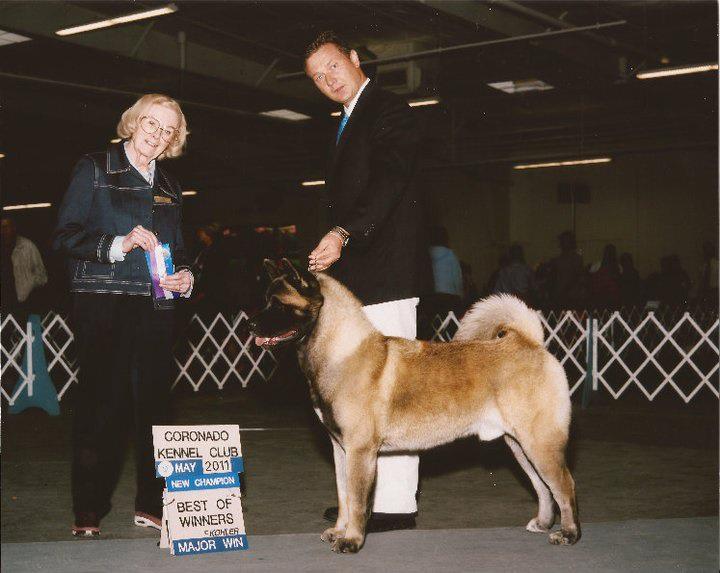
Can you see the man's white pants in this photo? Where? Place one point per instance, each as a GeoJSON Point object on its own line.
{"type": "Point", "coordinates": [397, 475]}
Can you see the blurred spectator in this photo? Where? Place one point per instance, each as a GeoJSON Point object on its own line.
{"type": "Point", "coordinates": [516, 277]}
{"type": "Point", "coordinates": [447, 292]}
{"type": "Point", "coordinates": [447, 274]}
{"type": "Point", "coordinates": [680, 283]}
{"type": "Point", "coordinates": [23, 270]}
{"type": "Point", "coordinates": [471, 294]}
{"type": "Point", "coordinates": [630, 283]}
{"type": "Point", "coordinates": [671, 286]}
{"type": "Point", "coordinates": [543, 275]}
{"type": "Point", "coordinates": [567, 275]}
{"type": "Point", "coordinates": [654, 286]}
{"type": "Point", "coordinates": [212, 292]}
{"type": "Point", "coordinates": [503, 261]}
{"type": "Point", "coordinates": [244, 284]}
{"type": "Point", "coordinates": [605, 280]}
{"type": "Point", "coordinates": [708, 283]}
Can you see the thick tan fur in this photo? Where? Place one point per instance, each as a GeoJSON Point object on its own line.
{"type": "Point", "coordinates": [378, 393]}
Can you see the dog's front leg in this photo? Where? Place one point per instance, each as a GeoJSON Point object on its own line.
{"type": "Point", "coordinates": [333, 533]}
{"type": "Point", "coordinates": [361, 464]}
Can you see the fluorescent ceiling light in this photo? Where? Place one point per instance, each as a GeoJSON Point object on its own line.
{"type": "Point", "coordinates": [414, 103]}
{"type": "Point", "coordinates": [286, 114]}
{"type": "Point", "coordinates": [313, 183]}
{"type": "Point", "coordinates": [662, 73]}
{"type": "Point", "coordinates": [169, 9]}
{"type": "Point", "coordinates": [564, 163]}
{"type": "Point", "coordinates": [189, 193]}
{"type": "Point", "coordinates": [421, 102]}
{"type": "Point", "coordinates": [520, 86]}
{"type": "Point", "coordinates": [116, 140]}
{"type": "Point", "coordinates": [28, 206]}
{"type": "Point", "coordinates": [10, 38]}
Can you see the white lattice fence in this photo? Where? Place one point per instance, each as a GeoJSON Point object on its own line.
{"type": "Point", "coordinates": [565, 337]}
{"type": "Point", "coordinates": [651, 353]}
{"type": "Point", "coordinates": [215, 350]}
{"type": "Point", "coordinates": [444, 328]}
{"type": "Point", "coordinates": [221, 350]}
{"type": "Point", "coordinates": [14, 339]}
{"type": "Point", "coordinates": [60, 352]}
{"type": "Point", "coordinates": [647, 351]}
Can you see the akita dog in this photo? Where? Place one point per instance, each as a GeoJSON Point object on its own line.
{"type": "Point", "coordinates": [377, 393]}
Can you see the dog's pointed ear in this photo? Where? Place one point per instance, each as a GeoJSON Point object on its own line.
{"type": "Point", "coordinates": [299, 277]}
{"type": "Point", "coordinates": [310, 280]}
{"type": "Point", "coordinates": [288, 268]}
{"type": "Point", "coordinates": [272, 270]}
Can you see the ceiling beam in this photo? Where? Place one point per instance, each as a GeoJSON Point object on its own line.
{"type": "Point", "coordinates": [139, 42]}
{"type": "Point", "coordinates": [612, 43]}
{"type": "Point", "coordinates": [492, 17]}
{"type": "Point", "coordinates": [474, 45]}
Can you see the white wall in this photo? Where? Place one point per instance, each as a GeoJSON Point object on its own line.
{"type": "Point", "coordinates": [649, 204]}
{"type": "Point", "coordinates": [474, 209]}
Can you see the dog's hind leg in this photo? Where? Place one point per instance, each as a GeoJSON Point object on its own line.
{"type": "Point", "coordinates": [548, 457]}
{"type": "Point", "coordinates": [546, 512]}
{"type": "Point", "coordinates": [338, 530]}
{"type": "Point", "coordinates": [361, 464]}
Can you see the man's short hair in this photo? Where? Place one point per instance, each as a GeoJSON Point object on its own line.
{"type": "Point", "coordinates": [327, 37]}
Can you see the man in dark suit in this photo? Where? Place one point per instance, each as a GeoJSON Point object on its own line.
{"type": "Point", "coordinates": [373, 244]}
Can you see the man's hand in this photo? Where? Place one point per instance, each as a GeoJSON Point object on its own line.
{"type": "Point", "coordinates": [326, 253]}
{"type": "Point", "coordinates": [139, 237]}
{"type": "Point", "coordinates": [180, 282]}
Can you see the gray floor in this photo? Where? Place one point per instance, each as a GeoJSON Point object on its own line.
{"type": "Point", "coordinates": [646, 475]}
{"type": "Point", "coordinates": [639, 545]}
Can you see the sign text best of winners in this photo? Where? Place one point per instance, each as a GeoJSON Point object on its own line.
{"type": "Point", "coordinates": [200, 465]}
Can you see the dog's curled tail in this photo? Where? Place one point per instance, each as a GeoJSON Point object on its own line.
{"type": "Point", "coordinates": [488, 318]}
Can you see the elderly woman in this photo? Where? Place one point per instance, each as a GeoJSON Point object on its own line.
{"type": "Point", "coordinates": [121, 203]}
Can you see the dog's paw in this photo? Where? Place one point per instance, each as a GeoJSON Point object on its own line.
{"type": "Point", "coordinates": [537, 526]}
{"type": "Point", "coordinates": [331, 534]}
{"type": "Point", "coordinates": [347, 545]}
{"type": "Point", "coordinates": [565, 537]}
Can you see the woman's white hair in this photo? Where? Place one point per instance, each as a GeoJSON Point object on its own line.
{"type": "Point", "coordinates": [130, 122]}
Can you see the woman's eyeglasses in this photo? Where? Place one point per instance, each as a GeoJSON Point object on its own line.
{"type": "Point", "coordinates": [150, 125]}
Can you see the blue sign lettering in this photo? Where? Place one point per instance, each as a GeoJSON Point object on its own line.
{"type": "Point", "coordinates": [210, 544]}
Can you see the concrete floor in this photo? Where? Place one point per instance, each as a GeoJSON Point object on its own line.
{"type": "Point", "coordinates": [654, 546]}
{"type": "Point", "coordinates": [636, 465]}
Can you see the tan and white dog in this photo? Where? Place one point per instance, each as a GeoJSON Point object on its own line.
{"type": "Point", "coordinates": [378, 393]}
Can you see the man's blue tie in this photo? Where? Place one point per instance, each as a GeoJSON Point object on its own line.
{"type": "Point", "coordinates": [343, 122]}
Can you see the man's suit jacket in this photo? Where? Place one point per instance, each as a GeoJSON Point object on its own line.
{"type": "Point", "coordinates": [371, 192]}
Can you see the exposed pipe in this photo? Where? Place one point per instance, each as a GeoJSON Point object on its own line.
{"type": "Point", "coordinates": [269, 69]}
{"type": "Point", "coordinates": [537, 15]}
{"type": "Point", "coordinates": [182, 43]}
{"type": "Point", "coordinates": [116, 91]}
{"type": "Point", "coordinates": [237, 37]}
{"type": "Point", "coordinates": [146, 31]}
{"type": "Point", "coordinates": [441, 51]}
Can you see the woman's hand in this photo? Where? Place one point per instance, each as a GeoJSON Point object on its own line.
{"type": "Point", "coordinates": [326, 253]}
{"type": "Point", "coordinates": [181, 282]}
{"type": "Point", "coordinates": [139, 237]}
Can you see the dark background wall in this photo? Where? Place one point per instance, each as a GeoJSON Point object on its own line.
{"type": "Point", "coordinates": [62, 97]}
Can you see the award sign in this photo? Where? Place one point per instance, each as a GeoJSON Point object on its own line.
{"type": "Point", "coordinates": [205, 521]}
{"type": "Point", "coordinates": [202, 509]}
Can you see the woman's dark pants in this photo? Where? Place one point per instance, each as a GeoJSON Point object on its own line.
{"type": "Point", "coordinates": [126, 367]}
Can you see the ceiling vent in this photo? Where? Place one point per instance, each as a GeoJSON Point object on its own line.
{"type": "Point", "coordinates": [399, 77]}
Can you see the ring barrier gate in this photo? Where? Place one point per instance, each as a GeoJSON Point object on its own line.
{"type": "Point", "coordinates": [666, 351]}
